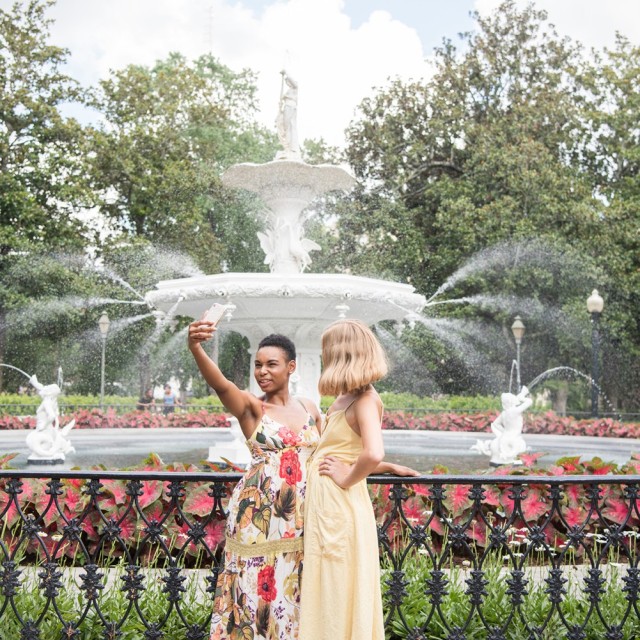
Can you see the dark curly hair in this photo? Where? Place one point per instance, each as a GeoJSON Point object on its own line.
{"type": "Point", "coordinates": [280, 341]}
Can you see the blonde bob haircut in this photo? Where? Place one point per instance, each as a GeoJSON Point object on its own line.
{"type": "Point", "coordinates": [352, 358]}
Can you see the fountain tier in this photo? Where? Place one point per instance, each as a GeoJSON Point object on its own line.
{"type": "Point", "coordinates": [297, 305]}
{"type": "Point", "coordinates": [286, 187]}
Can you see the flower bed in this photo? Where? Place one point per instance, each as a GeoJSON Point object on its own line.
{"type": "Point", "coordinates": [110, 419]}
{"type": "Point", "coordinates": [547, 423]}
{"type": "Point", "coordinates": [501, 504]}
{"type": "Point", "coordinates": [518, 511]}
{"type": "Point", "coordinates": [107, 521]}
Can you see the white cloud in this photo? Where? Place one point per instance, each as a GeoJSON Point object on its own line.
{"type": "Point", "coordinates": [335, 64]}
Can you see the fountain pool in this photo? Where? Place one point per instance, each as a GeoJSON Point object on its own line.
{"type": "Point", "coordinates": [119, 448]}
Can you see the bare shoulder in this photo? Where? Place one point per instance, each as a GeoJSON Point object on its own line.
{"type": "Point", "coordinates": [368, 401]}
{"type": "Point", "coordinates": [312, 408]}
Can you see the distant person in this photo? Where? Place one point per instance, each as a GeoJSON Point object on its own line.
{"type": "Point", "coordinates": [169, 400]}
{"type": "Point", "coordinates": [146, 402]}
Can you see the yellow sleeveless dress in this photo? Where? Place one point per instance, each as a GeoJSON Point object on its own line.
{"type": "Point", "coordinates": [340, 597]}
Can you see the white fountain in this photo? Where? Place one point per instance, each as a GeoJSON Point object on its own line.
{"type": "Point", "coordinates": [287, 300]}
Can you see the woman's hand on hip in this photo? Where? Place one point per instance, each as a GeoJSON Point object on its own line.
{"type": "Point", "coordinates": [337, 470]}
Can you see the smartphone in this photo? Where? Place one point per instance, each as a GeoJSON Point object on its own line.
{"type": "Point", "coordinates": [215, 312]}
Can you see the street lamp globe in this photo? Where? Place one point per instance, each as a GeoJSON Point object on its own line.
{"type": "Point", "coordinates": [518, 329]}
{"type": "Point", "coordinates": [595, 303]}
{"type": "Point", "coordinates": [103, 324]}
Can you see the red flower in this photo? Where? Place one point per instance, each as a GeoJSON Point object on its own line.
{"type": "Point", "coordinates": [290, 467]}
{"type": "Point", "coordinates": [267, 584]}
{"type": "Point", "coordinates": [289, 437]}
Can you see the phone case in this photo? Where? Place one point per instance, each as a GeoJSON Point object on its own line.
{"type": "Point", "coordinates": [214, 313]}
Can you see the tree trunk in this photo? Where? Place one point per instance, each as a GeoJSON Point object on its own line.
{"type": "Point", "coordinates": [144, 372]}
{"type": "Point", "coordinates": [3, 321]}
{"type": "Point", "coordinates": [560, 399]}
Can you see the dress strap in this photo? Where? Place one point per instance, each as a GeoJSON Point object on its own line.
{"type": "Point", "coordinates": [350, 404]}
{"type": "Point", "coordinates": [304, 406]}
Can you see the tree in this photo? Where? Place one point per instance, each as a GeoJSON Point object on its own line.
{"type": "Point", "coordinates": [612, 158]}
{"type": "Point", "coordinates": [488, 153]}
{"type": "Point", "coordinates": [169, 132]}
{"type": "Point", "coordinates": [41, 184]}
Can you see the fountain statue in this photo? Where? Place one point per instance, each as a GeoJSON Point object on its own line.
{"type": "Point", "coordinates": [508, 443]}
{"type": "Point", "coordinates": [48, 443]}
{"type": "Point", "coordinates": [287, 121]}
{"type": "Point", "coordinates": [287, 300]}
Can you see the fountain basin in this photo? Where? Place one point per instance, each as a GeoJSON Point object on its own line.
{"type": "Point", "coordinates": [297, 305]}
{"type": "Point", "coordinates": [280, 179]}
{"type": "Point", "coordinates": [118, 448]}
{"type": "Point", "coordinates": [273, 299]}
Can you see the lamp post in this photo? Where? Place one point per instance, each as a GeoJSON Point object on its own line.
{"type": "Point", "coordinates": [518, 329]}
{"type": "Point", "coordinates": [103, 325]}
{"type": "Point", "coordinates": [595, 305]}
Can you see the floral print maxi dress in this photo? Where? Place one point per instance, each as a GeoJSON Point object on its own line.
{"type": "Point", "coordinates": [258, 591]}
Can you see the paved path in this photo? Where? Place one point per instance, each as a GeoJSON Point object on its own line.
{"type": "Point", "coordinates": [116, 448]}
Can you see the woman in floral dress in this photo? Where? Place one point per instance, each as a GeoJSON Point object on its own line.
{"type": "Point", "coordinates": [258, 591]}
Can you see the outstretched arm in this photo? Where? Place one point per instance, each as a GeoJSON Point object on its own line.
{"type": "Point", "coordinates": [241, 404]}
{"type": "Point", "coordinates": [395, 469]}
{"type": "Point", "coordinates": [35, 383]}
{"type": "Point", "coordinates": [524, 405]}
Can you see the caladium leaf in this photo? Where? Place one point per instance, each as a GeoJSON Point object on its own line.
{"type": "Point", "coordinates": [198, 502]}
{"type": "Point", "coordinates": [151, 491]}
{"type": "Point", "coordinates": [457, 499]}
{"type": "Point", "coordinates": [616, 510]}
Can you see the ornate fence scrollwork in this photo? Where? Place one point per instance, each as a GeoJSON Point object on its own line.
{"type": "Point", "coordinates": [87, 554]}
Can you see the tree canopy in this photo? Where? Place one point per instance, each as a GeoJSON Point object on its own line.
{"type": "Point", "coordinates": [519, 151]}
{"type": "Point", "coordinates": [506, 183]}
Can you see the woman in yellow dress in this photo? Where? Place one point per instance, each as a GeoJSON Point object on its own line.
{"type": "Point", "coordinates": [341, 597]}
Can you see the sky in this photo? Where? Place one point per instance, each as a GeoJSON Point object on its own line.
{"type": "Point", "coordinates": [338, 50]}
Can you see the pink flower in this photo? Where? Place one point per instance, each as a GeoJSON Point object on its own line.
{"type": "Point", "coordinates": [288, 437]}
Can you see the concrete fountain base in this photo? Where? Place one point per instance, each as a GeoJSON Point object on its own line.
{"type": "Point", "coordinates": [119, 448]}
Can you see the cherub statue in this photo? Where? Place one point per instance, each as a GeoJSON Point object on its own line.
{"type": "Point", "coordinates": [285, 244]}
{"type": "Point", "coordinates": [48, 442]}
{"type": "Point", "coordinates": [507, 427]}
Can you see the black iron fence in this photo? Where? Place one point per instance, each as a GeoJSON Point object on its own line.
{"type": "Point", "coordinates": [97, 554]}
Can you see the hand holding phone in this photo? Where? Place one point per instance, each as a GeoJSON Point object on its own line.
{"type": "Point", "coordinates": [215, 313]}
